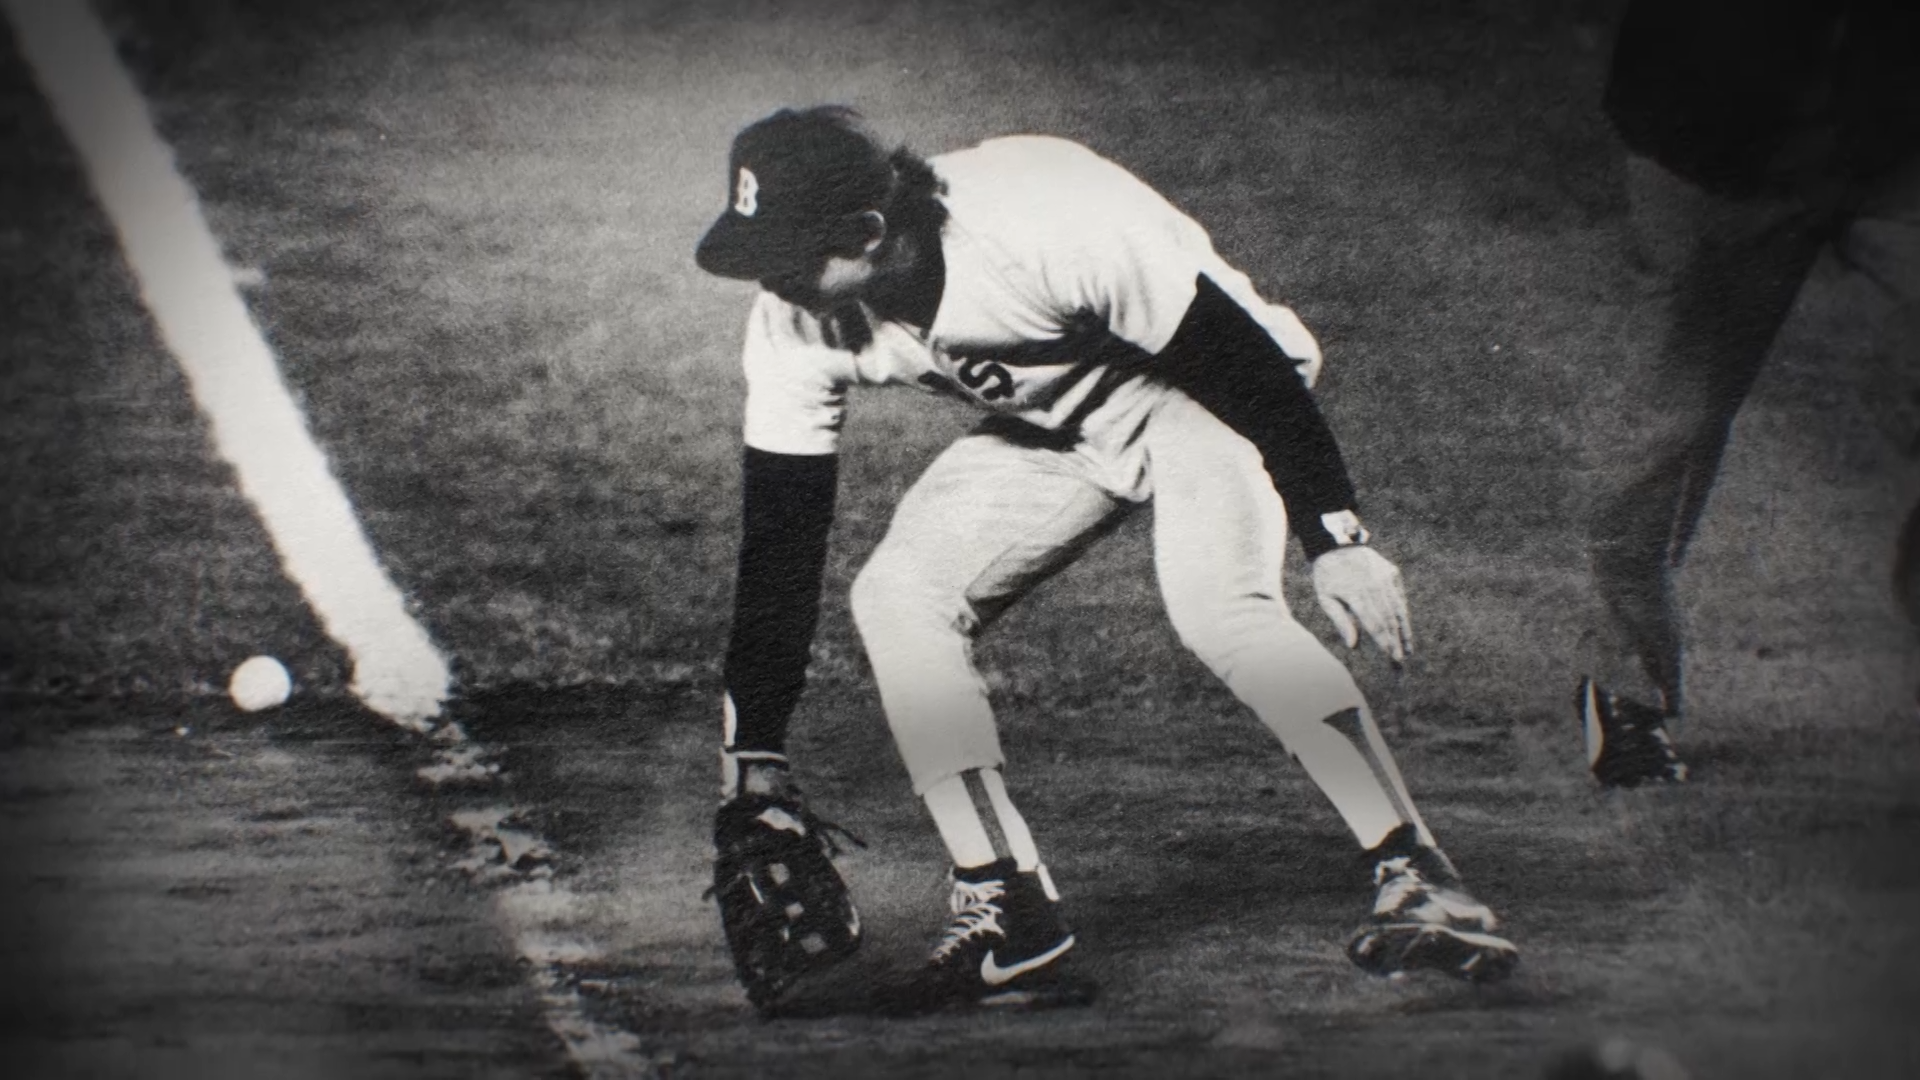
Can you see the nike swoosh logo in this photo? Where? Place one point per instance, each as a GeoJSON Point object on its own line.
{"type": "Point", "coordinates": [994, 975]}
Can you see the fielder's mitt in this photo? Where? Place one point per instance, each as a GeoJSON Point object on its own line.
{"type": "Point", "coordinates": [784, 907]}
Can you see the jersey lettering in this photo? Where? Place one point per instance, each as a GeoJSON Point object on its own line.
{"type": "Point", "coordinates": [985, 378]}
{"type": "Point", "coordinates": [939, 384]}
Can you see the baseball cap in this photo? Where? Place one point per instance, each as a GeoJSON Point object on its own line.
{"type": "Point", "coordinates": [792, 177]}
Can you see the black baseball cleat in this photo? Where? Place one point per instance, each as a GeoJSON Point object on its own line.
{"type": "Point", "coordinates": [1627, 742]}
{"type": "Point", "coordinates": [1424, 919]}
{"type": "Point", "coordinates": [1007, 947]}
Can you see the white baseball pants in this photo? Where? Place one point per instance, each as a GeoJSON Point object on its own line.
{"type": "Point", "coordinates": [992, 518]}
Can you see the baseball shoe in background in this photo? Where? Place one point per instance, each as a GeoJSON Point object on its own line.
{"type": "Point", "coordinates": [1424, 919]}
{"type": "Point", "coordinates": [1007, 947]}
{"type": "Point", "coordinates": [1627, 742]}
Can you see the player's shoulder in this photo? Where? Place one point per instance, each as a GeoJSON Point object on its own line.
{"type": "Point", "coordinates": [1019, 148]}
{"type": "Point", "coordinates": [1042, 187]}
{"type": "Point", "coordinates": [1039, 159]}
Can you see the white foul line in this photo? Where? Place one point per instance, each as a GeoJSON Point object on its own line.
{"type": "Point", "coordinates": [190, 291]}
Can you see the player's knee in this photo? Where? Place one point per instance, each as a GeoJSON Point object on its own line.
{"type": "Point", "coordinates": [1629, 534]}
{"type": "Point", "coordinates": [1214, 649]}
{"type": "Point", "coordinates": [891, 595]}
{"type": "Point", "coordinates": [1222, 632]}
{"type": "Point", "coordinates": [1278, 668]}
{"type": "Point", "coordinates": [868, 598]}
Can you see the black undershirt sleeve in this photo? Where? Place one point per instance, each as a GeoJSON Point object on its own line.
{"type": "Point", "coordinates": [1225, 360]}
{"type": "Point", "coordinates": [786, 513]}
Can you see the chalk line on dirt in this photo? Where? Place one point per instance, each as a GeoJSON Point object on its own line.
{"type": "Point", "coordinates": [540, 914]}
{"type": "Point", "coordinates": [193, 295]}
{"type": "Point", "coordinates": [194, 298]}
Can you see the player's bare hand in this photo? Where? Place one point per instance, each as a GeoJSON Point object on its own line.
{"type": "Point", "coordinates": [1360, 589]}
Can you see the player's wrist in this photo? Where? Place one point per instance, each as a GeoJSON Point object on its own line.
{"type": "Point", "coordinates": [1336, 530]}
{"type": "Point", "coordinates": [753, 772]}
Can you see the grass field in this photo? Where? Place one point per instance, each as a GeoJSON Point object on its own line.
{"type": "Point", "coordinates": [473, 224]}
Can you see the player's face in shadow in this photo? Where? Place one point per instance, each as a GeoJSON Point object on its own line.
{"type": "Point", "coordinates": [824, 284]}
{"type": "Point", "coordinates": [839, 274]}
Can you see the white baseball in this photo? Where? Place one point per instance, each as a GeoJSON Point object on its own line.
{"type": "Point", "coordinates": [261, 682]}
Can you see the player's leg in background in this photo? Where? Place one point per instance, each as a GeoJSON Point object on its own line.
{"type": "Point", "coordinates": [1906, 562]}
{"type": "Point", "coordinates": [1709, 280]}
{"type": "Point", "coordinates": [991, 518]}
{"type": "Point", "coordinates": [1220, 534]}
{"type": "Point", "coordinates": [1882, 244]}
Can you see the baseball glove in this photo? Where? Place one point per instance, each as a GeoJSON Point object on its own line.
{"type": "Point", "coordinates": [785, 909]}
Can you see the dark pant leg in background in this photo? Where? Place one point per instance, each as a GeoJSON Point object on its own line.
{"type": "Point", "coordinates": [1712, 280]}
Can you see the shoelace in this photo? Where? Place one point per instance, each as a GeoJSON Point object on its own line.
{"type": "Point", "coordinates": [974, 913]}
{"type": "Point", "coordinates": [1406, 892]}
{"type": "Point", "coordinates": [825, 830]}
{"type": "Point", "coordinates": [1397, 866]}
{"type": "Point", "coordinates": [820, 826]}
{"type": "Point", "coordinates": [1396, 879]}
{"type": "Point", "coordinates": [1654, 740]}
{"type": "Point", "coordinates": [1655, 732]}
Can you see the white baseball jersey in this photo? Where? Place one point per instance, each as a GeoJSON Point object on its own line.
{"type": "Point", "coordinates": [1063, 273]}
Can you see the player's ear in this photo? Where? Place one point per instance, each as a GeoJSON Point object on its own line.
{"type": "Point", "coordinates": [858, 235]}
{"type": "Point", "coordinates": [873, 225]}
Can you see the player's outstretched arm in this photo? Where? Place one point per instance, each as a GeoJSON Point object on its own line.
{"type": "Point", "coordinates": [786, 514]}
{"type": "Point", "coordinates": [783, 906]}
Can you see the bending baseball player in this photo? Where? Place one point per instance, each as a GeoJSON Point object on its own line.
{"type": "Point", "coordinates": [1121, 362]}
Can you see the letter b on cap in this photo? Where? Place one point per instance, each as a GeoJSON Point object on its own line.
{"type": "Point", "coordinates": [746, 193]}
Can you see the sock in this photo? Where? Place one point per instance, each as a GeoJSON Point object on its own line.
{"type": "Point", "coordinates": [1309, 700]}
{"type": "Point", "coordinates": [978, 822]}
{"type": "Point", "coordinates": [960, 827]}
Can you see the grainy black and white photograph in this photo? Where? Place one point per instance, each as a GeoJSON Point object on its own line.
{"type": "Point", "coordinates": [667, 539]}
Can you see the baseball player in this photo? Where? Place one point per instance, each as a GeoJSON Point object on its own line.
{"type": "Point", "coordinates": [1120, 362]}
{"type": "Point", "coordinates": [1758, 135]}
